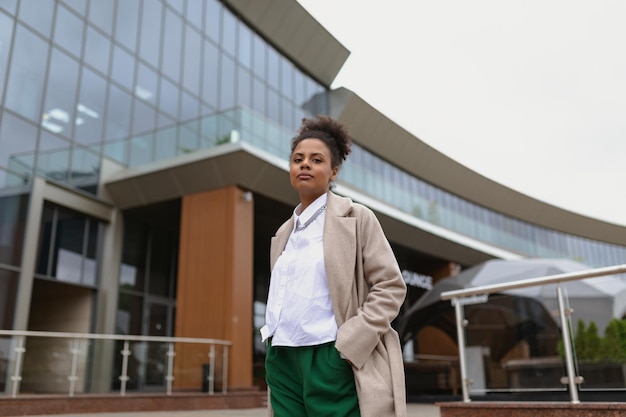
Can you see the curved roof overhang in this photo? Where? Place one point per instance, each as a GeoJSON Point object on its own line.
{"type": "Point", "coordinates": [295, 33]}
{"type": "Point", "coordinates": [252, 169]}
{"type": "Point", "coordinates": [385, 138]}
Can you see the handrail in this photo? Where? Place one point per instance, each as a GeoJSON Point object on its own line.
{"type": "Point", "coordinates": [104, 336]}
{"type": "Point", "coordinates": [20, 352]}
{"type": "Point", "coordinates": [532, 282]}
{"type": "Point", "coordinates": [456, 295]}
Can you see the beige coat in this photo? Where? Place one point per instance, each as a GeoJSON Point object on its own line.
{"type": "Point", "coordinates": [367, 290]}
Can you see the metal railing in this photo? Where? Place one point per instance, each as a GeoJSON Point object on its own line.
{"type": "Point", "coordinates": [457, 296]}
{"type": "Point", "coordinates": [19, 352]}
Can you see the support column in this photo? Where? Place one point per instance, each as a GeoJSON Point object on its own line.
{"type": "Point", "coordinates": [215, 283]}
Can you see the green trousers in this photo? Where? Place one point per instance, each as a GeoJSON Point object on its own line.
{"type": "Point", "coordinates": [311, 381]}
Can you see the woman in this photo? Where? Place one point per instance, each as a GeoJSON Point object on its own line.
{"type": "Point", "coordinates": [334, 290]}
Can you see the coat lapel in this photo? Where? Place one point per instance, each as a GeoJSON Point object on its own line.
{"type": "Point", "coordinates": [340, 253]}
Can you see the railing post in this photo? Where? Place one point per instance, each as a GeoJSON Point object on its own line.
{"type": "Point", "coordinates": [567, 344]}
{"type": "Point", "coordinates": [460, 330]}
{"type": "Point", "coordinates": [224, 368]}
{"type": "Point", "coordinates": [170, 368]}
{"type": "Point", "coordinates": [211, 376]}
{"type": "Point", "coordinates": [124, 377]}
{"type": "Point", "coordinates": [73, 377]}
{"type": "Point", "coordinates": [20, 350]}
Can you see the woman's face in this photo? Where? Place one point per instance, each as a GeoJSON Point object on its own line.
{"type": "Point", "coordinates": [310, 170]}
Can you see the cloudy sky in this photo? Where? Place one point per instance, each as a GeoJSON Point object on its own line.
{"type": "Point", "coordinates": [530, 93]}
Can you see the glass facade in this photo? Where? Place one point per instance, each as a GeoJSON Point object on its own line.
{"type": "Point", "coordinates": [137, 81]}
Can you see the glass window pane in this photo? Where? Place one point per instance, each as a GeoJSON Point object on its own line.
{"type": "Point", "coordinates": [144, 118]}
{"type": "Point", "coordinates": [227, 84]}
{"type": "Point", "coordinates": [45, 241]}
{"type": "Point", "coordinates": [8, 5]}
{"type": "Point", "coordinates": [40, 17]}
{"type": "Point", "coordinates": [229, 32]}
{"type": "Point", "coordinates": [193, 54]}
{"type": "Point", "coordinates": [172, 46]}
{"type": "Point", "coordinates": [168, 100]}
{"type": "Point", "coordinates": [244, 88]}
{"type": "Point", "coordinates": [97, 50]}
{"type": "Point", "coordinates": [18, 141]}
{"type": "Point", "coordinates": [129, 314]}
{"type": "Point", "coordinates": [79, 6]}
{"type": "Point", "coordinates": [118, 114]}
{"type": "Point", "coordinates": [273, 64]}
{"type": "Point", "coordinates": [210, 73]}
{"type": "Point", "coordinates": [60, 101]}
{"type": "Point", "coordinates": [162, 255]}
{"type": "Point", "coordinates": [273, 105]}
{"type": "Point", "coordinates": [244, 51]}
{"type": "Point", "coordinates": [27, 73]}
{"type": "Point", "coordinates": [127, 22]}
{"type": "Point", "coordinates": [90, 267]}
{"type": "Point", "coordinates": [101, 14]}
{"type": "Point", "coordinates": [150, 35]}
{"type": "Point", "coordinates": [68, 31]}
{"type": "Point", "coordinates": [8, 297]}
{"type": "Point", "coordinates": [6, 35]}
{"type": "Point", "coordinates": [13, 209]}
{"type": "Point", "coordinates": [53, 157]}
{"type": "Point", "coordinates": [68, 246]}
{"type": "Point", "coordinates": [260, 57]}
{"type": "Point", "coordinates": [147, 84]}
{"type": "Point", "coordinates": [85, 169]}
{"type": "Point", "coordinates": [90, 107]}
{"type": "Point", "coordinates": [258, 95]}
{"type": "Point", "coordinates": [212, 21]}
{"type": "Point", "coordinates": [190, 108]}
{"type": "Point", "coordinates": [123, 69]}
{"type": "Point", "coordinates": [134, 255]}
{"type": "Point", "coordinates": [194, 13]}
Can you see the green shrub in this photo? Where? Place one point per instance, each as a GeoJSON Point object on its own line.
{"type": "Point", "coordinates": [589, 346]}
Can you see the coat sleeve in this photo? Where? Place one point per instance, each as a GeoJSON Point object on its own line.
{"type": "Point", "coordinates": [385, 291]}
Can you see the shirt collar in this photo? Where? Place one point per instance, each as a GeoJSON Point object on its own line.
{"type": "Point", "coordinates": [310, 210]}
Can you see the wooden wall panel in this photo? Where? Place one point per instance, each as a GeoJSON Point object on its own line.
{"type": "Point", "coordinates": [215, 282]}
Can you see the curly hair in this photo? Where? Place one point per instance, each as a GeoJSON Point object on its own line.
{"type": "Point", "coordinates": [330, 131]}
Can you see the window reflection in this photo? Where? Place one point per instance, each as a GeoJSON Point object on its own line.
{"type": "Point", "coordinates": [210, 74]}
{"type": "Point", "coordinates": [126, 23]}
{"type": "Point", "coordinates": [150, 33]}
{"type": "Point", "coordinates": [90, 107]}
{"type": "Point", "coordinates": [101, 14]}
{"type": "Point", "coordinates": [123, 68]}
{"type": "Point", "coordinates": [68, 31]}
{"type": "Point", "coordinates": [172, 46]}
{"type": "Point", "coordinates": [28, 66]}
{"type": "Point", "coordinates": [97, 50]}
{"type": "Point", "coordinates": [13, 210]}
{"type": "Point", "coordinates": [8, 296]}
{"type": "Point", "coordinates": [6, 32]}
{"type": "Point", "coordinates": [118, 114]}
{"type": "Point", "coordinates": [40, 17]}
{"type": "Point", "coordinates": [68, 243]}
{"type": "Point", "coordinates": [59, 105]}
{"type": "Point", "coordinates": [17, 154]}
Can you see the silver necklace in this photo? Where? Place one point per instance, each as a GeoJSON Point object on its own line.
{"type": "Point", "coordinates": [313, 217]}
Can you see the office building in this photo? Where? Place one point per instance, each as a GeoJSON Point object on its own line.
{"type": "Point", "coordinates": [143, 170]}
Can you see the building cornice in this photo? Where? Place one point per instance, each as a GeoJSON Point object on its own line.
{"type": "Point", "coordinates": [376, 132]}
{"type": "Point", "coordinates": [295, 33]}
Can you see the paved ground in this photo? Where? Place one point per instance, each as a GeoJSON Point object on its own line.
{"type": "Point", "coordinates": [414, 410]}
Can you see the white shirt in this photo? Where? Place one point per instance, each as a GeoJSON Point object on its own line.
{"type": "Point", "coordinates": [299, 311]}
